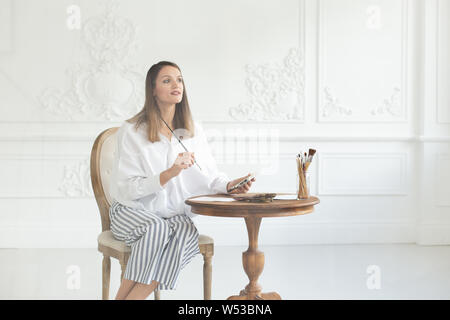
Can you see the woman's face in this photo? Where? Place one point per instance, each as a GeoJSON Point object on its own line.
{"type": "Point", "coordinates": [169, 86]}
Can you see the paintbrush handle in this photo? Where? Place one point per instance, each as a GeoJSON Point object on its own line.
{"type": "Point", "coordinates": [307, 166]}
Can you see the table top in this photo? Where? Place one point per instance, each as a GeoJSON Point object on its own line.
{"type": "Point", "coordinates": [275, 208]}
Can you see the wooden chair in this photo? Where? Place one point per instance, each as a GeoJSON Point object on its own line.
{"type": "Point", "coordinates": [102, 158]}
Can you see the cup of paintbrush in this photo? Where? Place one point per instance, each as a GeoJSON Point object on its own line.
{"type": "Point", "coordinates": [302, 185]}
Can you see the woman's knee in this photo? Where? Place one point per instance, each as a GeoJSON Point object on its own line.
{"type": "Point", "coordinates": [158, 226]}
{"type": "Point", "coordinates": [148, 218]}
{"type": "Point", "coordinates": [153, 283]}
{"type": "Point", "coordinates": [191, 227]}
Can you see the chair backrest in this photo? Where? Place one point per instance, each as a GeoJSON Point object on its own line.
{"type": "Point", "coordinates": [102, 162]}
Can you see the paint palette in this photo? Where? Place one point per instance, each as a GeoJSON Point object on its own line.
{"type": "Point", "coordinates": [254, 197]}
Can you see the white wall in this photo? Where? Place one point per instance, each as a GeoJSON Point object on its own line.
{"type": "Point", "coordinates": [363, 82]}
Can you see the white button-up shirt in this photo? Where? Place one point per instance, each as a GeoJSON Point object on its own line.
{"type": "Point", "coordinates": [138, 163]}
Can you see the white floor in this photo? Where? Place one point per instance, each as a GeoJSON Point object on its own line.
{"type": "Point", "coordinates": [403, 271]}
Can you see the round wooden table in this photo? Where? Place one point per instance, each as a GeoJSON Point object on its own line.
{"type": "Point", "coordinates": [252, 212]}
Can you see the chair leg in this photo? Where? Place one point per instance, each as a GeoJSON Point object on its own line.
{"type": "Point", "coordinates": [207, 275]}
{"type": "Point", "coordinates": [106, 272]}
{"type": "Point", "coordinates": [156, 293]}
{"type": "Point", "coordinates": [123, 266]}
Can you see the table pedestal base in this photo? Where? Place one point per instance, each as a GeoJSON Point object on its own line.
{"type": "Point", "coordinates": [253, 262]}
{"type": "Point", "coordinates": [243, 295]}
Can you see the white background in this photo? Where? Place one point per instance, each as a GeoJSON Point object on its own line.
{"type": "Point", "coordinates": [364, 82]}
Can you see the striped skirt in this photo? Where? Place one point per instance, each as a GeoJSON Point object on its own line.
{"type": "Point", "coordinates": [160, 247]}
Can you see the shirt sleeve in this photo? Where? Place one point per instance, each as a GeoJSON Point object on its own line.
{"type": "Point", "coordinates": [216, 180]}
{"type": "Point", "coordinates": [132, 181]}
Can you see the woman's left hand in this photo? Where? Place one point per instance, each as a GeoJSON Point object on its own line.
{"type": "Point", "coordinates": [242, 189]}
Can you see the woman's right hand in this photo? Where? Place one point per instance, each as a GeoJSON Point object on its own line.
{"type": "Point", "coordinates": [184, 160]}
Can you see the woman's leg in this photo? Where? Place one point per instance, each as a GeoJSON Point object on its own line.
{"type": "Point", "coordinates": [146, 234]}
{"type": "Point", "coordinates": [125, 288]}
{"type": "Point", "coordinates": [181, 248]}
{"type": "Point", "coordinates": [141, 291]}
{"type": "Point", "coordinates": [159, 248]}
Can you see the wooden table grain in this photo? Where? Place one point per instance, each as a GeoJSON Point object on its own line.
{"type": "Point", "coordinates": [252, 212]}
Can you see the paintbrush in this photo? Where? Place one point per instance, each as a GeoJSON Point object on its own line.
{"type": "Point", "coordinates": [311, 153]}
{"type": "Point", "coordinates": [180, 142]}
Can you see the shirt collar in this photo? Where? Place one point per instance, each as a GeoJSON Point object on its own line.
{"type": "Point", "coordinates": [166, 140]}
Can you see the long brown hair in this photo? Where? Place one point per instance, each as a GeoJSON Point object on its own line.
{"type": "Point", "coordinates": [151, 114]}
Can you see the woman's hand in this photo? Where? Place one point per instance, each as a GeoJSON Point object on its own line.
{"type": "Point", "coordinates": [184, 160]}
{"type": "Point", "coordinates": [242, 189]}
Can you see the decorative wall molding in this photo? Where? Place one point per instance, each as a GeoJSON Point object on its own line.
{"type": "Point", "coordinates": [276, 91]}
{"type": "Point", "coordinates": [332, 105]}
{"type": "Point", "coordinates": [74, 177]}
{"type": "Point", "coordinates": [109, 85]}
{"type": "Point", "coordinates": [390, 106]}
{"type": "Point", "coordinates": [109, 43]}
{"type": "Point", "coordinates": [392, 109]}
{"type": "Point", "coordinates": [77, 180]}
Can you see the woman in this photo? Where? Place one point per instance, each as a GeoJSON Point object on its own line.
{"type": "Point", "coordinates": [152, 178]}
